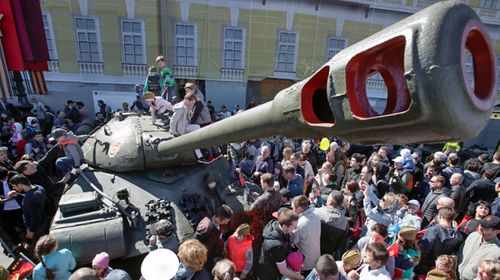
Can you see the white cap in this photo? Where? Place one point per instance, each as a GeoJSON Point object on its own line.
{"type": "Point", "coordinates": [398, 159]}
{"type": "Point", "coordinates": [415, 203]}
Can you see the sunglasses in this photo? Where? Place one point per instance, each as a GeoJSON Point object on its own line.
{"type": "Point", "coordinates": [188, 88]}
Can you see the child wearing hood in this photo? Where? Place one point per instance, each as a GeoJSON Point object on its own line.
{"type": "Point", "coordinates": [408, 163]}
{"type": "Point", "coordinates": [17, 133]}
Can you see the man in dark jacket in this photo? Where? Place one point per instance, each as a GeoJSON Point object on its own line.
{"type": "Point", "coordinates": [439, 239]}
{"type": "Point", "coordinates": [262, 208]}
{"type": "Point", "coordinates": [209, 233]}
{"type": "Point", "coordinates": [34, 215]}
{"type": "Point", "coordinates": [429, 207]}
{"type": "Point", "coordinates": [37, 174]}
{"type": "Point", "coordinates": [276, 246]}
{"type": "Point", "coordinates": [482, 189]}
{"type": "Point", "coordinates": [354, 170]}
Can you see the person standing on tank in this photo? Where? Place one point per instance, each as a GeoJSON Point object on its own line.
{"type": "Point", "coordinates": [154, 83]}
{"type": "Point", "coordinates": [168, 91]}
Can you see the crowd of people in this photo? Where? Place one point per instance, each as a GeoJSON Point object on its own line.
{"type": "Point", "coordinates": [324, 209]}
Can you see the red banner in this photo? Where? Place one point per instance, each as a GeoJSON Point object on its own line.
{"type": "Point", "coordinates": [21, 268]}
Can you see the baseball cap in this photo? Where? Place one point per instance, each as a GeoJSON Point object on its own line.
{"type": "Point", "coordinates": [490, 221]}
{"type": "Point", "coordinates": [58, 132]}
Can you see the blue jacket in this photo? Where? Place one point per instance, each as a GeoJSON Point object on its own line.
{"type": "Point", "coordinates": [61, 263]}
{"type": "Point", "coordinates": [34, 209]}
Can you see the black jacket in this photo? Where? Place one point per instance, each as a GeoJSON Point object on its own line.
{"type": "Point", "coordinates": [275, 249]}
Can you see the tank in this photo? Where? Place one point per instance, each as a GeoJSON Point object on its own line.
{"type": "Point", "coordinates": [138, 172]}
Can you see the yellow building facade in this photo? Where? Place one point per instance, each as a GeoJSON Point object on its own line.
{"type": "Point", "coordinates": [237, 50]}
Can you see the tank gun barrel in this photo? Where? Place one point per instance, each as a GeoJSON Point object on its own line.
{"type": "Point", "coordinates": [422, 61]}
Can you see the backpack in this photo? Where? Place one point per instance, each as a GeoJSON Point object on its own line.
{"type": "Point", "coordinates": [154, 84]}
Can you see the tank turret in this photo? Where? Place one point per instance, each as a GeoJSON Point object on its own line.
{"type": "Point", "coordinates": [128, 142]}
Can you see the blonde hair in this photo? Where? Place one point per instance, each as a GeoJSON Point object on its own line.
{"type": "Point", "coordinates": [448, 264]}
{"type": "Point", "coordinates": [193, 254]}
{"type": "Point", "coordinates": [388, 200]}
{"type": "Point", "coordinates": [491, 267]}
{"type": "Point", "coordinates": [223, 270]}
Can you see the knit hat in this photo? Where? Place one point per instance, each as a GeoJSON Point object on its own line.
{"type": "Point", "coordinates": [243, 230]}
{"type": "Point", "coordinates": [58, 132]}
{"type": "Point", "coordinates": [408, 233]}
{"type": "Point", "coordinates": [148, 96]}
{"type": "Point", "coordinates": [295, 260]}
{"type": "Point", "coordinates": [352, 257]}
{"type": "Point", "coordinates": [101, 259]}
{"type": "Point", "coordinates": [438, 274]}
{"type": "Point", "coordinates": [415, 203]}
{"type": "Point", "coordinates": [278, 166]}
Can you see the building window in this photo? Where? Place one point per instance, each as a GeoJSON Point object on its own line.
{"type": "Point", "coordinates": [133, 40]}
{"type": "Point", "coordinates": [335, 45]}
{"type": "Point", "coordinates": [88, 39]}
{"type": "Point", "coordinates": [489, 4]}
{"type": "Point", "coordinates": [286, 51]}
{"type": "Point", "coordinates": [185, 44]}
{"type": "Point", "coordinates": [234, 46]}
{"type": "Point", "coordinates": [49, 35]}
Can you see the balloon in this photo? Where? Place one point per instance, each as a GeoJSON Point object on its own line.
{"type": "Point", "coordinates": [160, 264]}
{"type": "Point", "coordinates": [324, 144]}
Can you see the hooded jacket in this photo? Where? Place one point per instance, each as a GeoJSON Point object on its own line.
{"type": "Point", "coordinates": [275, 249]}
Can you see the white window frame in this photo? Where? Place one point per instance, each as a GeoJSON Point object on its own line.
{"type": "Point", "coordinates": [133, 33]}
{"type": "Point", "coordinates": [489, 4]}
{"type": "Point", "coordinates": [226, 41]}
{"type": "Point", "coordinates": [184, 38]}
{"type": "Point", "coordinates": [280, 44]}
{"type": "Point", "coordinates": [49, 32]}
{"type": "Point", "coordinates": [335, 50]}
{"type": "Point", "coordinates": [98, 38]}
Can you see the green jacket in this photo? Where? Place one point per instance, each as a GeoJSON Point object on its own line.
{"type": "Point", "coordinates": [167, 76]}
